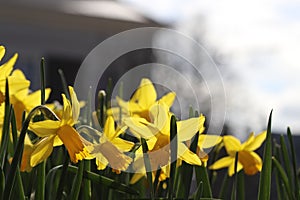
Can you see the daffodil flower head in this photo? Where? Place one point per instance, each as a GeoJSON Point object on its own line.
{"type": "Point", "coordinates": [157, 134]}
{"type": "Point", "coordinates": [109, 147]}
{"type": "Point", "coordinates": [15, 84]}
{"type": "Point", "coordinates": [143, 98]}
{"type": "Point", "coordinates": [24, 100]}
{"type": "Point", "coordinates": [55, 133]}
{"type": "Point", "coordinates": [247, 158]}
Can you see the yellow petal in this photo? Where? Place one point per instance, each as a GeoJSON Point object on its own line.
{"type": "Point", "coordinates": [186, 129]}
{"type": "Point", "coordinates": [57, 141]}
{"type": "Point", "coordinates": [232, 144]}
{"type": "Point", "coordinates": [141, 127]}
{"type": "Point", "coordinates": [16, 84]}
{"type": "Point", "coordinates": [7, 67]}
{"type": "Point", "coordinates": [45, 128]}
{"type": "Point", "coordinates": [159, 115]}
{"type": "Point", "coordinates": [109, 127]}
{"type": "Point", "coordinates": [34, 99]}
{"type": "Point", "coordinates": [222, 163]}
{"type": "Point", "coordinates": [257, 142]}
{"type": "Point", "coordinates": [185, 154]}
{"type": "Point", "coordinates": [145, 94]}
{"type": "Point", "coordinates": [67, 112]}
{"type": "Point", "coordinates": [42, 150]}
{"type": "Point", "coordinates": [101, 161]}
{"type": "Point", "coordinates": [208, 141]}
{"type": "Point", "coordinates": [2, 52]}
{"type": "Point", "coordinates": [168, 99]}
{"type": "Point", "coordinates": [231, 168]}
{"type": "Point", "coordinates": [248, 141]}
{"type": "Point", "coordinates": [122, 145]}
{"type": "Point", "coordinates": [75, 104]}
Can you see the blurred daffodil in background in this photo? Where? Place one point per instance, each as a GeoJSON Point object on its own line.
{"type": "Point", "coordinates": [247, 158]}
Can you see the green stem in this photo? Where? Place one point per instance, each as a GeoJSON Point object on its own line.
{"type": "Point", "coordinates": [148, 167]}
{"type": "Point", "coordinates": [174, 147]}
{"type": "Point", "coordinates": [40, 189]}
{"type": "Point", "coordinates": [234, 187]}
{"type": "Point", "coordinates": [77, 182]}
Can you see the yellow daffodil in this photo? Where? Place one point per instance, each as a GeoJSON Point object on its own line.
{"type": "Point", "coordinates": [141, 101]}
{"type": "Point", "coordinates": [55, 133]}
{"type": "Point", "coordinates": [247, 158]}
{"type": "Point", "coordinates": [157, 133]}
{"type": "Point", "coordinates": [24, 100]}
{"type": "Point", "coordinates": [15, 84]}
{"type": "Point", "coordinates": [108, 147]}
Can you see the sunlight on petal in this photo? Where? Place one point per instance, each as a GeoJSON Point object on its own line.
{"type": "Point", "coordinates": [42, 150]}
{"type": "Point", "coordinates": [232, 144]}
{"type": "Point", "coordinates": [257, 142]}
{"type": "Point", "coordinates": [185, 154]}
{"type": "Point", "coordinates": [222, 163]}
{"type": "Point", "coordinates": [45, 128]}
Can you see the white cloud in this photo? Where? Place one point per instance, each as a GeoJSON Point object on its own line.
{"type": "Point", "coordinates": [261, 38]}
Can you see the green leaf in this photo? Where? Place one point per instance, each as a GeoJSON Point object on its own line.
{"type": "Point", "coordinates": [14, 130]}
{"type": "Point", "coordinates": [235, 180]}
{"type": "Point", "coordinates": [265, 176]}
{"type": "Point", "coordinates": [290, 137]}
{"type": "Point", "coordinates": [224, 186]}
{"type": "Point", "coordinates": [63, 180]}
{"type": "Point", "coordinates": [109, 89]}
{"type": "Point", "coordinates": [199, 191]}
{"type": "Point", "coordinates": [148, 167]}
{"type": "Point", "coordinates": [241, 186]}
{"type": "Point", "coordinates": [187, 168]}
{"type": "Point", "coordinates": [77, 181]}
{"type": "Point", "coordinates": [40, 187]}
{"type": "Point", "coordinates": [18, 153]}
{"type": "Point", "coordinates": [96, 178]}
{"type": "Point", "coordinates": [283, 176]}
{"type": "Point", "coordinates": [5, 127]}
{"type": "Point", "coordinates": [101, 107]}
{"type": "Point", "coordinates": [64, 83]}
{"type": "Point", "coordinates": [202, 176]}
{"type": "Point", "coordinates": [86, 190]}
{"type": "Point", "coordinates": [286, 161]}
{"type": "Point", "coordinates": [43, 82]}
{"type": "Point", "coordinates": [2, 181]}
{"type": "Point", "coordinates": [19, 194]}
{"type": "Point", "coordinates": [174, 147]}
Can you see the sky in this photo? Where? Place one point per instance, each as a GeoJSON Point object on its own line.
{"type": "Point", "coordinates": [261, 42]}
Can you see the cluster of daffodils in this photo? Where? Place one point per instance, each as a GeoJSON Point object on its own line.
{"type": "Point", "coordinates": [144, 116]}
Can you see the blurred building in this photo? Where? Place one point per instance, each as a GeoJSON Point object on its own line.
{"type": "Point", "coordinates": [64, 32]}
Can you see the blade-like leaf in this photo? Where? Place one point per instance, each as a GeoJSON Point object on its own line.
{"type": "Point", "coordinates": [77, 181]}
{"type": "Point", "coordinates": [18, 153]}
{"type": "Point", "coordinates": [265, 176]}
{"type": "Point", "coordinates": [284, 177]}
{"type": "Point", "coordinates": [290, 137]}
{"type": "Point", "coordinates": [105, 181]}
{"type": "Point", "coordinates": [173, 146]}
{"type": "Point", "coordinates": [148, 167]}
